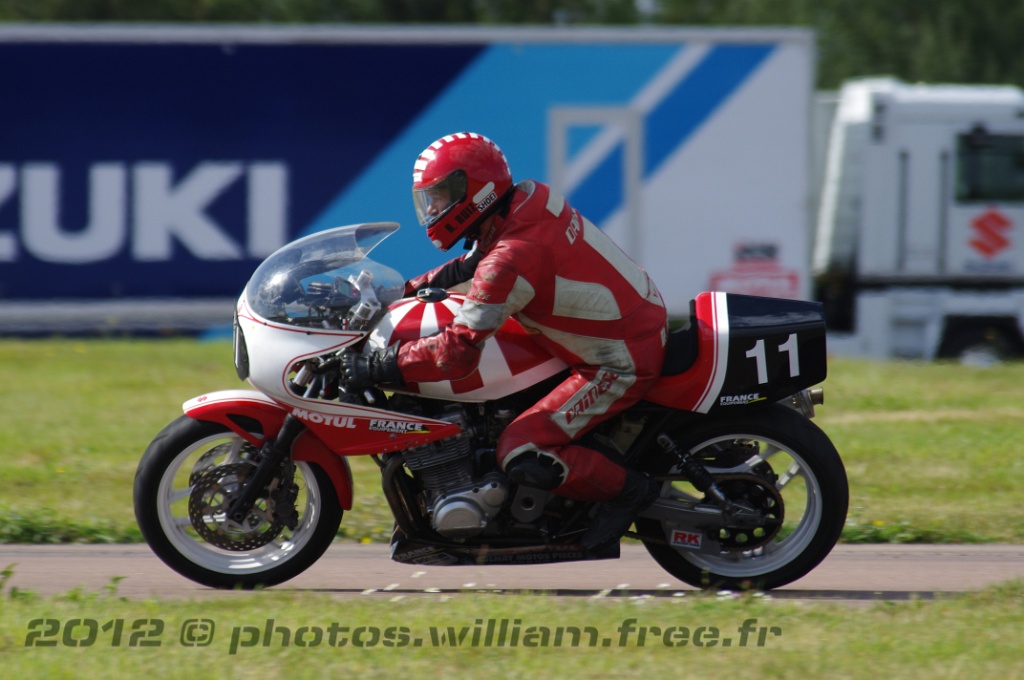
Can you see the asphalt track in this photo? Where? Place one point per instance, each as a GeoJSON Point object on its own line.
{"type": "Point", "coordinates": [850, 573]}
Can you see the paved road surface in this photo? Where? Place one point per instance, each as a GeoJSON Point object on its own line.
{"type": "Point", "coordinates": [851, 573]}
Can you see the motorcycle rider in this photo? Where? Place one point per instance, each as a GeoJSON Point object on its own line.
{"type": "Point", "coordinates": [536, 258]}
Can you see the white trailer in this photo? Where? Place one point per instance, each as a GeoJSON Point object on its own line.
{"type": "Point", "coordinates": [918, 251]}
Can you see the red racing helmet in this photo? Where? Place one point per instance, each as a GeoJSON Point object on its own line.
{"type": "Point", "coordinates": [457, 182]}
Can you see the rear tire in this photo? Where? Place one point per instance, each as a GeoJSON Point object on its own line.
{"type": "Point", "coordinates": [163, 483]}
{"type": "Point", "coordinates": [811, 481]}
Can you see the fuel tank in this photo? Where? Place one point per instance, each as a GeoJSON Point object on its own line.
{"type": "Point", "coordinates": [511, 361]}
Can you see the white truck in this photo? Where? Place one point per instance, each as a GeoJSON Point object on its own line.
{"type": "Point", "coordinates": [918, 251]}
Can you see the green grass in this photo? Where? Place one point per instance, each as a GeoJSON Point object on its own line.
{"type": "Point", "coordinates": [932, 450]}
{"type": "Point", "coordinates": [974, 635]}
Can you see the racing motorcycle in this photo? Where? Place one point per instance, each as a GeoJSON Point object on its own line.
{"type": "Point", "coordinates": [248, 488]}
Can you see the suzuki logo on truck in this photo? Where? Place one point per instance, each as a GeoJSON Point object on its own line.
{"type": "Point", "coordinates": [990, 229]}
{"type": "Point", "coordinates": [146, 207]}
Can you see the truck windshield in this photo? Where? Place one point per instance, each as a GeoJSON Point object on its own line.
{"type": "Point", "coordinates": [990, 168]}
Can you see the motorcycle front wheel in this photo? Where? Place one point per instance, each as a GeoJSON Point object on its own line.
{"type": "Point", "coordinates": [185, 480]}
{"type": "Point", "coordinates": [771, 458]}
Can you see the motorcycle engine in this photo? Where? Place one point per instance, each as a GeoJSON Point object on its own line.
{"type": "Point", "coordinates": [459, 505]}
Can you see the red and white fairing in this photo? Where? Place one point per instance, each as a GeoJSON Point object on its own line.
{"type": "Point", "coordinates": [510, 362]}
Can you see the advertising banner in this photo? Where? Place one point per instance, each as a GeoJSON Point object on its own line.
{"type": "Point", "coordinates": [141, 165]}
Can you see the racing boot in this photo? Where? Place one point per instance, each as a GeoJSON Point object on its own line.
{"type": "Point", "coordinates": [614, 517]}
{"type": "Point", "coordinates": [537, 470]}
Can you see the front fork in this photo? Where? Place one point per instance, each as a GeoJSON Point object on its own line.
{"type": "Point", "coordinates": [275, 459]}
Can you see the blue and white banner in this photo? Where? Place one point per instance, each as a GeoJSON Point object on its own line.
{"type": "Point", "coordinates": [154, 163]}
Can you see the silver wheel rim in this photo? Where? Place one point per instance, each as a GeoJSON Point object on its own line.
{"type": "Point", "coordinates": [172, 511]}
{"type": "Point", "coordinates": [800, 490]}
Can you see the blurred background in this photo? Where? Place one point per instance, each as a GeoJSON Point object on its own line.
{"type": "Point", "coordinates": [865, 153]}
{"type": "Point", "coordinates": [917, 40]}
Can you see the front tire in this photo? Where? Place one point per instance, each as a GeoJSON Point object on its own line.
{"type": "Point", "coordinates": [181, 455]}
{"type": "Point", "coordinates": [803, 467]}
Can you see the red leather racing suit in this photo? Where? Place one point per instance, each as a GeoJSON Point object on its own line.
{"type": "Point", "coordinates": [588, 303]}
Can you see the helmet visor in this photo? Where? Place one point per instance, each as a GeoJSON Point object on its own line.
{"type": "Point", "coordinates": [436, 200]}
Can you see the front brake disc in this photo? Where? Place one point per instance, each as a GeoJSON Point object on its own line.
{"type": "Point", "coordinates": [208, 505]}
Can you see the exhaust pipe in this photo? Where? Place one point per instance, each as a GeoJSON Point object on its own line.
{"type": "Point", "coordinates": [804, 401]}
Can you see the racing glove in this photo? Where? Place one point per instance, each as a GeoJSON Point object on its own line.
{"type": "Point", "coordinates": [359, 371]}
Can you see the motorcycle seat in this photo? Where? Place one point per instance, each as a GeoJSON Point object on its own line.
{"type": "Point", "coordinates": [681, 348]}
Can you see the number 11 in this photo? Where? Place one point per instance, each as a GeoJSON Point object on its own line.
{"type": "Point", "coordinates": [790, 347]}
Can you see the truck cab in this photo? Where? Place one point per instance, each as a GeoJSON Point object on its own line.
{"type": "Point", "coordinates": [918, 246]}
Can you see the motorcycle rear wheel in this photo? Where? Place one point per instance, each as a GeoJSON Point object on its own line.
{"type": "Point", "coordinates": [175, 461]}
{"type": "Point", "coordinates": [811, 481]}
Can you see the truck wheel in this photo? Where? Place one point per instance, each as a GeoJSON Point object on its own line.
{"type": "Point", "coordinates": [982, 346]}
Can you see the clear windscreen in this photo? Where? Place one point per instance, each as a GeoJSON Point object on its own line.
{"type": "Point", "coordinates": [327, 281]}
